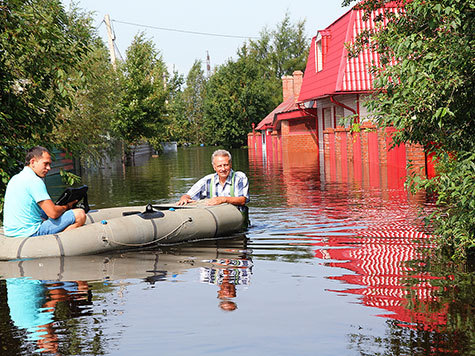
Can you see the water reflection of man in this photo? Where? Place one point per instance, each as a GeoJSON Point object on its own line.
{"type": "Point", "coordinates": [25, 298]}
{"type": "Point", "coordinates": [226, 291]}
{"type": "Point", "coordinates": [224, 186]}
{"type": "Point", "coordinates": [228, 274]}
{"type": "Point", "coordinates": [32, 304]}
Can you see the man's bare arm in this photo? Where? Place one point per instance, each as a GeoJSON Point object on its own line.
{"type": "Point", "coordinates": [55, 211]}
{"type": "Point", "coordinates": [229, 200]}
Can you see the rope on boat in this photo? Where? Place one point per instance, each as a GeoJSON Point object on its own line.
{"type": "Point", "coordinates": [153, 241]}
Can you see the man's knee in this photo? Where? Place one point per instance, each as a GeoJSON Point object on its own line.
{"type": "Point", "coordinates": [80, 216]}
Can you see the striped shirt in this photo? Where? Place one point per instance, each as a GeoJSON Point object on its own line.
{"type": "Point", "coordinates": [202, 188]}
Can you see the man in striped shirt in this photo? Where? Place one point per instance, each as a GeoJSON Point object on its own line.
{"type": "Point", "coordinates": [224, 186]}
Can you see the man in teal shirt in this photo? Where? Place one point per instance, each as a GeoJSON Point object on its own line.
{"type": "Point", "coordinates": [28, 209]}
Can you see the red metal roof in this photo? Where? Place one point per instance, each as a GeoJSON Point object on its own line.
{"type": "Point", "coordinates": [268, 121]}
{"type": "Point", "coordinates": [341, 74]}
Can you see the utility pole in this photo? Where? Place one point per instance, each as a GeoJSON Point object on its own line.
{"type": "Point", "coordinates": [111, 37]}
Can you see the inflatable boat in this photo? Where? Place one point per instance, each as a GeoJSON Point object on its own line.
{"type": "Point", "coordinates": [128, 228]}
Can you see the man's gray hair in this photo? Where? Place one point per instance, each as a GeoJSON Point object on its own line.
{"type": "Point", "coordinates": [221, 153]}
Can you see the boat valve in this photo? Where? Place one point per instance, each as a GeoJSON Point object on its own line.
{"type": "Point", "coordinates": [105, 240]}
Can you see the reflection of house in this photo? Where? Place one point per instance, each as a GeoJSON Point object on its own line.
{"type": "Point", "coordinates": [366, 229]}
{"type": "Point", "coordinates": [334, 87]}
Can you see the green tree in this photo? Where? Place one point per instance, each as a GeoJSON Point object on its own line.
{"type": "Point", "coordinates": [282, 50]}
{"type": "Point", "coordinates": [236, 96]}
{"type": "Point", "coordinates": [289, 47]}
{"type": "Point", "coordinates": [39, 46]}
{"type": "Point", "coordinates": [193, 98]}
{"type": "Point", "coordinates": [176, 129]}
{"type": "Point", "coordinates": [143, 82]}
{"type": "Point", "coordinates": [425, 86]}
{"type": "Point", "coordinates": [244, 91]}
{"type": "Point", "coordinates": [84, 127]}
{"type": "Point", "coordinates": [186, 107]}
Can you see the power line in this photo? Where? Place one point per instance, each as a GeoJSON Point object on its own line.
{"type": "Point", "coordinates": [99, 25]}
{"type": "Point", "coordinates": [118, 51]}
{"type": "Point", "coordinates": [115, 44]}
{"type": "Point", "coordinates": [185, 31]}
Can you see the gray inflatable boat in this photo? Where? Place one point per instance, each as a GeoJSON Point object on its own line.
{"type": "Point", "coordinates": [128, 228]}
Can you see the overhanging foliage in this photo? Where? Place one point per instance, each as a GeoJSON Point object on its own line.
{"type": "Point", "coordinates": [424, 88]}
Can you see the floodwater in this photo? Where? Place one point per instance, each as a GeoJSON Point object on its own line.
{"type": "Point", "coordinates": [330, 266]}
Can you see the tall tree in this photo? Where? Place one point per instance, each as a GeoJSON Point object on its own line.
{"type": "Point", "coordinates": [282, 50]}
{"type": "Point", "coordinates": [84, 127]}
{"type": "Point", "coordinates": [186, 107]}
{"type": "Point", "coordinates": [425, 89]}
{"type": "Point", "coordinates": [176, 128]}
{"type": "Point", "coordinates": [244, 91]}
{"type": "Point", "coordinates": [143, 81]}
{"type": "Point", "coordinates": [39, 45]}
{"type": "Point", "coordinates": [193, 98]}
{"type": "Point", "coordinates": [289, 47]}
{"type": "Point", "coordinates": [236, 96]}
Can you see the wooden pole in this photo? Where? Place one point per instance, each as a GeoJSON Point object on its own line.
{"type": "Point", "coordinates": [111, 37]}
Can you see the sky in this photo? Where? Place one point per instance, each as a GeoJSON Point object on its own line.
{"type": "Point", "coordinates": [242, 19]}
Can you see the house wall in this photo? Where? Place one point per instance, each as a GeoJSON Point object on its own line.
{"type": "Point", "coordinates": [364, 113]}
{"type": "Point", "coordinates": [329, 114]}
{"type": "Point", "coordinates": [354, 101]}
{"type": "Point", "coordinates": [299, 135]}
{"type": "Point", "coordinates": [300, 143]}
{"type": "Point", "coordinates": [294, 136]}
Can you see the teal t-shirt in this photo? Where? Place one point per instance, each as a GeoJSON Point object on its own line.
{"type": "Point", "coordinates": [21, 213]}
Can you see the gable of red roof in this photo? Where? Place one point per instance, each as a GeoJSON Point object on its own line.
{"type": "Point", "coordinates": [320, 83]}
{"type": "Point", "coordinates": [341, 74]}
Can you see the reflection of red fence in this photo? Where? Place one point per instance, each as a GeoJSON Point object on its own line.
{"type": "Point", "coordinates": [378, 258]}
{"type": "Point", "coordinates": [373, 236]}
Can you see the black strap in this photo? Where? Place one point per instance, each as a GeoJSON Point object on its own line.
{"type": "Point", "coordinates": [60, 244]}
{"type": "Point", "coordinates": [18, 255]}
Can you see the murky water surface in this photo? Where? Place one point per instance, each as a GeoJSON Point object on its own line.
{"type": "Point", "coordinates": [323, 270]}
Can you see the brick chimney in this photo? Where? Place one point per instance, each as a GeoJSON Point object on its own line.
{"type": "Point", "coordinates": [298, 78]}
{"type": "Point", "coordinates": [291, 85]}
{"type": "Point", "coordinates": [287, 87]}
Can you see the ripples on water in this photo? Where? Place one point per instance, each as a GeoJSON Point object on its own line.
{"type": "Point", "coordinates": [323, 270]}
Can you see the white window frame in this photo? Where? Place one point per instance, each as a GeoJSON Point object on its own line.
{"type": "Point", "coordinates": [318, 53]}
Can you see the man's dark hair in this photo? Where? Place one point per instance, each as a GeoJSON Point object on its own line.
{"type": "Point", "coordinates": [34, 152]}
